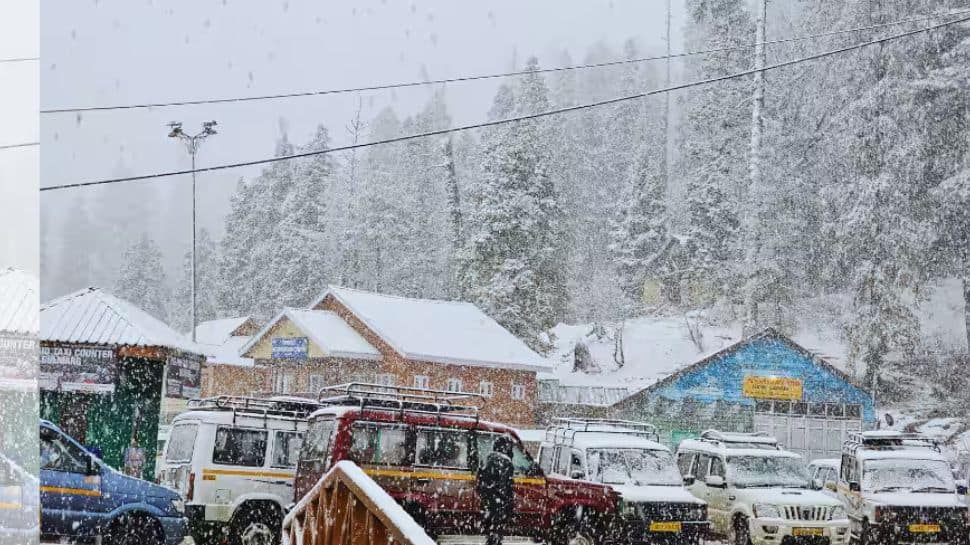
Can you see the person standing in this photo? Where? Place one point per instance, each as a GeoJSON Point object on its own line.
{"type": "Point", "coordinates": [495, 490]}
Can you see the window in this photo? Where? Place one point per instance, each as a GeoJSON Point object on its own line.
{"type": "Point", "coordinates": [181, 443]}
{"type": "Point", "coordinates": [545, 459]}
{"type": "Point", "coordinates": [717, 467]}
{"type": "Point", "coordinates": [239, 447]}
{"type": "Point", "coordinates": [703, 462]}
{"type": "Point", "coordinates": [286, 448]}
{"type": "Point", "coordinates": [442, 448]}
{"type": "Point", "coordinates": [387, 379]}
{"type": "Point", "coordinates": [518, 392]}
{"type": "Point", "coordinates": [59, 454]}
{"type": "Point", "coordinates": [486, 388]}
{"type": "Point", "coordinates": [562, 461]}
{"type": "Point", "coordinates": [853, 411]}
{"type": "Point", "coordinates": [287, 383]}
{"type": "Point", "coordinates": [849, 473]}
{"type": "Point", "coordinates": [378, 444]}
{"type": "Point", "coordinates": [521, 462]}
{"type": "Point", "coordinates": [316, 447]}
{"type": "Point", "coordinates": [317, 383]}
{"type": "Point", "coordinates": [454, 385]}
{"type": "Point", "coordinates": [684, 462]}
{"type": "Point", "coordinates": [422, 381]}
{"type": "Point", "coordinates": [576, 463]}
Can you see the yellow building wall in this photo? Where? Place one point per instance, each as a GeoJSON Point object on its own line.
{"type": "Point", "coordinates": [286, 329]}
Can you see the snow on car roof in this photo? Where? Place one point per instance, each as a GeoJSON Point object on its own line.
{"type": "Point", "coordinates": [825, 462]}
{"type": "Point", "coordinates": [719, 448]}
{"type": "Point", "coordinates": [438, 331]}
{"type": "Point", "coordinates": [593, 440]}
{"type": "Point", "coordinates": [911, 453]}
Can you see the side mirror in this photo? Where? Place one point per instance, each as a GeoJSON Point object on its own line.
{"type": "Point", "coordinates": [962, 489]}
{"type": "Point", "coordinates": [854, 487]}
{"type": "Point", "coordinates": [816, 484]}
{"type": "Point", "coordinates": [93, 467]}
{"type": "Point", "coordinates": [577, 474]}
{"type": "Point", "coordinates": [715, 481]}
{"type": "Point", "coordinates": [689, 480]}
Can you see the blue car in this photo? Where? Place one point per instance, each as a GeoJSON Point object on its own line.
{"type": "Point", "coordinates": [83, 498]}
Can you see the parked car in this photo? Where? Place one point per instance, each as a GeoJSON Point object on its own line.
{"type": "Point", "coordinates": [19, 504]}
{"type": "Point", "coordinates": [654, 505]}
{"type": "Point", "coordinates": [757, 493]}
{"type": "Point", "coordinates": [82, 498]}
{"type": "Point", "coordinates": [234, 459]}
{"type": "Point", "coordinates": [825, 475]}
{"type": "Point", "coordinates": [424, 447]}
{"type": "Point", "coordinates": [898, 487]}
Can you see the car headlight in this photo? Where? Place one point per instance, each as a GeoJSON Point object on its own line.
{"type": "Point", "coordinates": [179, 505]}
{"type": "Point", "coordinates": [767, 510]}
{"type": "Point", "coordinates": [838, 513]}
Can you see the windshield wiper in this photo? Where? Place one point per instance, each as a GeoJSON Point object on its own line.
{"type": "Point", "coordinates": [932, 489]}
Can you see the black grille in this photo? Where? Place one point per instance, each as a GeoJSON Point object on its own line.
{"type": "Point", "coordinates": [672, 511]}
{"type": "Point", "coordinates": [897, 521]}
{"type": "Point", "coordinates": [805, 540]}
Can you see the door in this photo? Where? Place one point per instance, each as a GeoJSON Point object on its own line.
{"type": "Point", "coordinates": [70, 486]}
{"type": "Point", "coordinates": [283, 456]}
{"type": "Point", "coordinates": [530, 489]}
{"type": "Point", "coordinates": [719, 499]}
{"type": "Point", "coordinates": [443, 474]}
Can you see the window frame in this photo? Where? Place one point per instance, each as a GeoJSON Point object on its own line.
{"type": "Point", "coordinates": [300, 436]}
{"type": "Point", "coordinates": [486, 388]}
{"type": "Point", "coordinates": [431, 430]}
{"type": "Point", "coordinates": [517, 391]}
{"type": "Point", "coordinates": [231, 428]}
{"type": "Point", "coordinates": [409, 438]}
{"type": "Point", "coordinates": [453, 384]}
{"type": "Point", "coordinates": [422, 382]}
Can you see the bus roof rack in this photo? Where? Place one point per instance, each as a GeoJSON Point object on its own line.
{"type": "Point", "coordinates": [402, 398]}
{"type": "Point", "coordinates": [758, 439]}
{"type": "Point", "coordinates": [279, 407]}
{"type": "Point", "coordinates": [564, 430]}
{"type": "Point", "coordinates": [889, 440]}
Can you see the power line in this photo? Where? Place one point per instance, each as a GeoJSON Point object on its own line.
{"type": "Point", "coordinates": [20, 145]}
{"type": "Point", "coordinates": [518, 119]}
{"type": "Point", "coordinates": [19, 59]}
{"type": "Point", "coordinates": [462, 79]}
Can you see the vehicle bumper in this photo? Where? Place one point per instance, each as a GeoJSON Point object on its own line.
{"type": "Point", "coordinates": [639, 532]}
{"type": "Point", "coordinates": [899, 533]}
{"type": "Point", "coordinates": [783, 532]}
{"type": "Point", "coordinates": [175, 528]}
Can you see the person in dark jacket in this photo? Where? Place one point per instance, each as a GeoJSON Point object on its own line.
{"type": "Point", "coordinates": [495, 490]}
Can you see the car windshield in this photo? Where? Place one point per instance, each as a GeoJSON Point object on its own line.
{"type": "Point", "coordinates": [633, 466]}
{"type": "Point", "coordinates": [767, 471]}
{"type": "Point", "coordinates": [908, 475]}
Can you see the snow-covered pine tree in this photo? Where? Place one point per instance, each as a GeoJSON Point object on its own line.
{"type": "Point", "coordinates": [715, 137]}
{"type": "Point", "coordinates": [142, 279]}
{"type": "Point", "coordinates": [512, 264]}
{"type": "Point", "coordinates": [207, 282]}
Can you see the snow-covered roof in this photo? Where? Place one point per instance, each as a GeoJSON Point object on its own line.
{"type": "Point", "coordinates": [438, 331]}
{"type": "Point", "coordinates": [722, 449]}
{"type": "Point", "coordinates": [217, 332]}
{"type": "Point", "coordinates": [228, 353]}
{"type": "Point", "coordinates": [18, 302]}
{"type": "Point", "coordinates": [832, 463]}
{"type": "Point", "coordinates": [607, 440]}
{"type": "Point", "coordinates": [94, 316]}
{"type": "Point", "coordinates": [326, 329]}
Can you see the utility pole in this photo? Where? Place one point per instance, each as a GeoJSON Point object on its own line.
{"type": "Point", "coordinates": [756, 189]}
{"type": "Point", "coordinates": [192, 145]}
{"type": "Point", "coordinates": [666, 119]}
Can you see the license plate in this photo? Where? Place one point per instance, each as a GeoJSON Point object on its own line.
{"type": "Point", "coordinates": [806, 531]}
{"type": "Point", "coordinates": [924, 528]}
{"type": "Point", "coordinates": [665, 526]}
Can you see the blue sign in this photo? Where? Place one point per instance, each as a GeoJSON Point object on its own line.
{"type": "Point", "coordinates": [290, 348]}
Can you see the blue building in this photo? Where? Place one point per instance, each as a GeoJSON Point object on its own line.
{"type": "Point", "coordinates": [765, 382]}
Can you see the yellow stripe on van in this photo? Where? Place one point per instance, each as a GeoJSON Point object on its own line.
{"type": "Point", "coordinates": [245, 473]}
{"type": "Point", "coordinates": [442, 475]}
{"type": "Point", "coordinates": [70, 491]}
{"type": "Point", "coordinates": [9, 505]}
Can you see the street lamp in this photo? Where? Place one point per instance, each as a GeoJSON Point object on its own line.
{"type": "Point", "coordinates": [192, 145]}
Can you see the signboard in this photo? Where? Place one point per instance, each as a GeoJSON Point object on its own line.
{"type": "Point", "coordinates": [184, 376]}
{"type": "Point", "coordinates": [18, 357]}
{"type": "Point", "coordinates": [290, 348]}
{"type": "Point", "coordinates": [78, 368]}
{"type": "Point", "coordinates": [761, 387]}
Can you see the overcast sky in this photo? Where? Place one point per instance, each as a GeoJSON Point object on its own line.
{"type": "Point", "coordinates": [18, 114]}
{"type": "Point", "coordinates": [104, 52]}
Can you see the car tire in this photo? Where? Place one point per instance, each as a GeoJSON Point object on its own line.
{"type": "Point", "coordinates": [741, 531]}
{"type": "Point", "coordinates": [133, 530]}
{"type": "Point", "coordinates": [260, 524]}
{"type": "Point", "coordinates": [567, 530]}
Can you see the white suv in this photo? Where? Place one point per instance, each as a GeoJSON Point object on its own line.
{"type": "Point", "coordinates": [758, 493]}
{"type": "Point", "coordinates": [233, 459]}
{"type": "Point", "coordinates": [625, 455]}
{"type": "Point", "coordinates": [898, 487]}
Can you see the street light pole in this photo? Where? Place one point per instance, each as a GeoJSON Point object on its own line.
{"type": "Point", "coordinates": [192, 145]}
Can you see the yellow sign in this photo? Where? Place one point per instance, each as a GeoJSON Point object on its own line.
{"type": "Point", "coordinates": [806, 532]}
{"type": "Point", "coordinates": [760, 387]}
{"type": "Point", "coordinates": [665, 526]}
{"type": "Point", "coordinates": [924, 528]}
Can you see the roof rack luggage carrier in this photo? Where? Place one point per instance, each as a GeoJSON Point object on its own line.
{"type": "Point", "coordinates": [563, 431]}
{"type": "Point", "coordinates": [735, 440]}
{"type": "Point", "coordinates": [402, 398]}
{"type": "Point", "coordinates": [281, 408]}
{"type": "Point", "coordinates": [888, 440]}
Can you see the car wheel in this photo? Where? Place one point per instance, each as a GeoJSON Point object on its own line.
{"type": "Point", "coordinates": [260, 525]}
{"type": "Point", "coordinates": [742, 531]}
{"type": "Point", "coordinates": [133, 530]}
{"type": "Point", "coordinates": [568, 531]}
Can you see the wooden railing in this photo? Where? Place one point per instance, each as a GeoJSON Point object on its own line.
{"type": "Point", "coordinates": [346, 507]}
